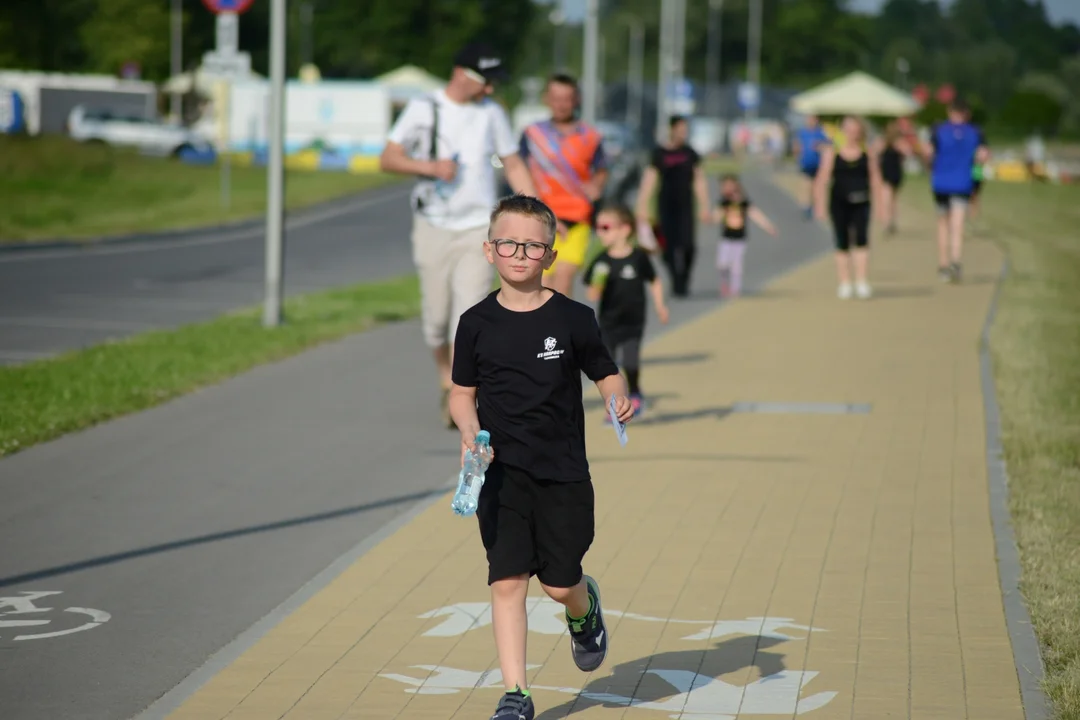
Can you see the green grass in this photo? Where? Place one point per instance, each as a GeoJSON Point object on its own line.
{"type": "Point", "coordinates": [47, 398]}
{"type": "Point", "coordinates": [54, 187]}
{"type": "Point", "coordinates": [1035, 346]}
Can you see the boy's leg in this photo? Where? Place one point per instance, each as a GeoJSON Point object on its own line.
{"type": "Point", "coordinates": [564, 526]}
{"type": "Point", "coordinates": [504, 517]}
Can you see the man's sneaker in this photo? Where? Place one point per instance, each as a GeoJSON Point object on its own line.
{"type": "Point", "coordinates": [515, 705]}
{"type": "Point", "coordinates": [638, 403]}
{"type": "Point", "coordinates": [844, 291]}
{"type": "Point", "coordinates": [954, 272]}
{"type": "Point", "coordinates": [588, 636]}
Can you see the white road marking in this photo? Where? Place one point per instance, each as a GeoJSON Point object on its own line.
{"type": "Point", "coordinates": [226, 237]}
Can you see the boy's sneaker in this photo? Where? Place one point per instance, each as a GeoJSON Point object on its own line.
{"type": "Point", "coordinates": [588, 636]}
{"type": "Point", "coordinates": [845, 291]}
{"type": "Point", "coordinates": [863, 290]}
{"type": "Point", "coordinates": [944, 274]}
{"type": "Point", "coordinates": [515, 705]}
{"type": "Point", "coordinates": [954, 272]}
{"type": "Point", "coordinates": [638, 403]}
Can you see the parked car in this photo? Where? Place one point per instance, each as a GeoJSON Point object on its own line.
{"type": "Point", "coordinates": [150, 136]}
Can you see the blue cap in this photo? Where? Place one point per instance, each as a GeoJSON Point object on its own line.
{"type": "Point", "coordinates": [483, 437]}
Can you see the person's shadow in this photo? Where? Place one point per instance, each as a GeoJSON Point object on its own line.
{"type": "Point", "coordinates": [653, 679]}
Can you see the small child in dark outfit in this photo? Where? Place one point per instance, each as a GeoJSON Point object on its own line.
{"type": "Point", "coordinates": [618, 278]}
{"type": "Point", "coordinates": [733, 213]}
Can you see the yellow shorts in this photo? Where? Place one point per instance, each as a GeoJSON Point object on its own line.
{"type": "Point", "coordinates": [572, 246]}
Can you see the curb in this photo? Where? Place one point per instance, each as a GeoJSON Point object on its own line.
{"type": "Point", "coordinates": [1025, 645]}
{"type": "Point", "coordinates": [67, 243]}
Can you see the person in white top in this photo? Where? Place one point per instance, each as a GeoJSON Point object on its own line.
{"type": "Point", "coordinates": [450, 140]}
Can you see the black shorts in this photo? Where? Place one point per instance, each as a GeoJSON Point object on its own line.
{"type": "Point", "coordinates": [945, 201]}
{"type": "Point", "coordinates": [535, 527]}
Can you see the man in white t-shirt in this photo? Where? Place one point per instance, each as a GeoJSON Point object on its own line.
{"type": "Point", "coordinates": [450, 140]}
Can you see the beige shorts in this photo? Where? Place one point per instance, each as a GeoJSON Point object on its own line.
{"type": "Point", "coordinates": [454, 276]}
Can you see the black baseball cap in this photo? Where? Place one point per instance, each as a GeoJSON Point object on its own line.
{"type": "Point", "coordinates": [482, 59]}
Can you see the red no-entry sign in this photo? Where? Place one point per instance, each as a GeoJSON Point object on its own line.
{"type": "Point", "coordinates": [223, 6]}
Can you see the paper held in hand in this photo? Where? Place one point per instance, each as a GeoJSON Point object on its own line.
{"type": "Point", "coordinates": [620, 428]}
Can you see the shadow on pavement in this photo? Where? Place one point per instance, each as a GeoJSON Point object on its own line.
{"type": "Point", "coordinates": [688, 359]}
{"type": "Point", "coordinates": [697, 457]}
{"type": "Point", "coordinates": [663, 676]}
{"type": "Point", "coordinates": [216, 537]}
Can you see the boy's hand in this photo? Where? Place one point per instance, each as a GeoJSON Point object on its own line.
{"type": "Point", "coordinates": [468, 443]}
{"type": "Point", "coordinates": [624, 411]}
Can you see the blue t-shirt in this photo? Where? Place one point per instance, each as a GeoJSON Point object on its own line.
{"type": "Point", "coordinates": [955, 145]}
{"type": "Point", "coordinates": [809, 139]}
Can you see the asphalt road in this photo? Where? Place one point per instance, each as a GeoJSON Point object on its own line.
{"type": "Point", "coordinates": [190, 522]}
{"type": "Point", "coordinates": [63, 299]}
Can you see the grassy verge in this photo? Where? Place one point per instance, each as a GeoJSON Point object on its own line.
{"type": "Point", "coordinates": [54, 187]}
{"type": "Point", "coordinates": [1035, 345]}
{"type": "Point", "coordinates": [45, 399]}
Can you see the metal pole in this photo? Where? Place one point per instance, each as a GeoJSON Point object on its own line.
{"type": "Point", "coordinates": [307, 48]}
{"type": "Point", "coordinates": [275, 214]}
{"type": "Point", "coordinates": [679, 40]}
{"type": "Point", "coordinates": [712, 55]}
{"type": "Point", "coordinates": [663, 69]}
{"type": "Point", "coordinates": [634, 98]}
{"type": "Point", "coordinates": [590, 69]}
{"type": "Point", "coordinates": [176, 63]}
{"type": "Point", "coordinates": [753, 52]}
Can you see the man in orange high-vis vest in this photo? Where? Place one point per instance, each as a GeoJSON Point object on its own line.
{"type": "Point", "coordinates": [565, 157]}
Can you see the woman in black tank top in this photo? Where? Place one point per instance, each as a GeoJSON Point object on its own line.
{"type": "Point", "coordinates": [848, 179]}
{"type": "Point", "coordinates": [892, 150]}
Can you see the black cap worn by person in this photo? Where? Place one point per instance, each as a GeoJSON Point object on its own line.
{"type": "Point", "coordinates": [481, 58]}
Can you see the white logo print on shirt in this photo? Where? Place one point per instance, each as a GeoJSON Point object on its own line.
{"type": "Point", "coordinates": [550, 353]}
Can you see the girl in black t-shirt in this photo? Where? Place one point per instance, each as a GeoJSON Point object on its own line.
{"type": "Point", "coordinates": [732, 213]}
{"type": "Point", "coordinates": [618, 279]}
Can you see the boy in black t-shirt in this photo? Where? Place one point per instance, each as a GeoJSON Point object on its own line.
{"type": "Point", "coordinates": [617, 278]}
{"type": "Point", "coordinates": [518, 359]}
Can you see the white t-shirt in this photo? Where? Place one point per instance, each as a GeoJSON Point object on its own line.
{"type": "Point", "coordinates": [471, 133]}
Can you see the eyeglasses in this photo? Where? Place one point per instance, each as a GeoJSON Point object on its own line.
{"type": "Point", "coordinates": [533, 250]}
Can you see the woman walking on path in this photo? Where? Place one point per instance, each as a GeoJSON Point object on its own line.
{"type": "Point", "coordinates": [892, 150]}
{"type": "Point", "coordinates": [853, 172]}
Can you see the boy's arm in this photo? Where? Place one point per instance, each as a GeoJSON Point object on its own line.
{"type": "Point", "coordinates": [462, 399]}
{"type": "Point", "coordinates": [761, 219]}
{"type": "Point", "coordinates": [598, 366]}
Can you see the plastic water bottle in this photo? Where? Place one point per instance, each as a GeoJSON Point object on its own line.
{"type": "Point", "coordinates": [446, 189]}
{"type": "Point", "coordinates": [467, 497]}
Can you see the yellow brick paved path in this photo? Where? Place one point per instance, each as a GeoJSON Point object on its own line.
{"type": "Point", "coordinates": [873, 529]}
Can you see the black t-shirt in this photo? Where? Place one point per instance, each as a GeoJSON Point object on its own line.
{"type": "Point", "coordinates": [676, 168]}
{"type": "Point", "coordinates": [731, 207]}
{"type": "Point", "coordinates": [526, 367]}
{"type": "Point", "coordinates": [622, 302]}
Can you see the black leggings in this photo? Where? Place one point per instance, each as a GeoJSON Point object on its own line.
{"type": "Point", "coordinates": [678, 229]}
{"type": "Point", "coordinates": [850, 219]}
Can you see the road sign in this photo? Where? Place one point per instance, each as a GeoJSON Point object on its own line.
{"type": "Point", "coordinates": [235, 66]}
{"type": "Point", "coordinates": [749, 95]}
{"type": "Point", "coordinates": [226, 6]}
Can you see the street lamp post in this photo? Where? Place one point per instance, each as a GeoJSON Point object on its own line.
{"type": "Point", "coordinates": [275, 214]}
{"type": "Point", "coordinates": [590, 86]}
{"type": "Point", "coordinates": [635, 73]}
{"type": "Point", "coordinates": [753, 55]}
{"type": "Point", "coordinates": [712, 54]}
{"type": "Point", "coordinates": [176, 61]}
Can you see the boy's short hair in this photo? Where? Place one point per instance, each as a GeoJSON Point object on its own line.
{"type": "Point", "coordinates": [561, 78]}
{"type": "Point", "coordinates": [676, 119]}
{"type": "Point", "coordinates": [619, 210]}
{"type": "Point", "coordinates": [528, 207]}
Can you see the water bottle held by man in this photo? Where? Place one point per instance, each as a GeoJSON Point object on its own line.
{"type": "Point", "coordinates": [471, 479]}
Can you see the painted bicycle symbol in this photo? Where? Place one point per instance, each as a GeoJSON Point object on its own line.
{"type": "Point", "coordinates": [20, 611]}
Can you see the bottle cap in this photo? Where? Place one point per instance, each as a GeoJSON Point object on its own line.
{"type": "Point", "coordinates": [483, 437]}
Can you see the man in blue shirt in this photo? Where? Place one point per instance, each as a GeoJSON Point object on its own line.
{"type": "Point", "coordinates": [956, 146]}
{"type": "Point", "coordinates": [809, 141]}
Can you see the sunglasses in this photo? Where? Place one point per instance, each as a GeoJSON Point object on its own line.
{"type": "Point", "coordinates": [508, 248]}
{"type": "Point", "coordinates": [608, 226]}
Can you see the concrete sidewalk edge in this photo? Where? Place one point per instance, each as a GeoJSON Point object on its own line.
{"type": "Point", "coordinates": [1025, 645]}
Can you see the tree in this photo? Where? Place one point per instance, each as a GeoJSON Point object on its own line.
{"type": "Point", "coordinates": [121, 31]}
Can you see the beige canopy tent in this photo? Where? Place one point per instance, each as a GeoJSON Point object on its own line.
{"type": "Point", "coordinates": [856, 94]}
{"type": "Point", "coordinates": [409, 81]}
